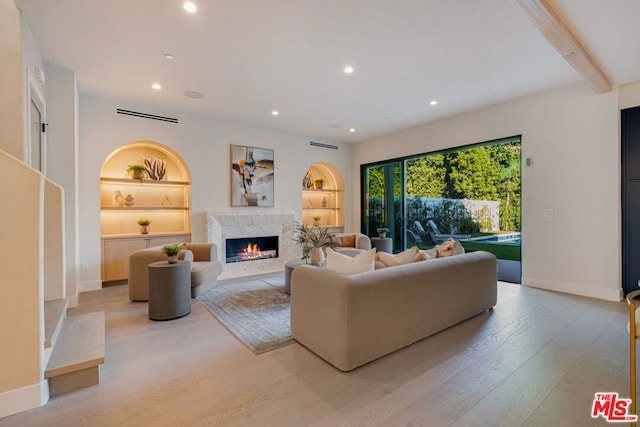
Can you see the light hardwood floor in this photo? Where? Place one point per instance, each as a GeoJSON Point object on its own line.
{"type": "Point", "coordinates": [535, 360]}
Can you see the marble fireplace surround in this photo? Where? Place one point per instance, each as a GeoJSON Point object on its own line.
{"type": "Point", "coordinates": [232, 225]}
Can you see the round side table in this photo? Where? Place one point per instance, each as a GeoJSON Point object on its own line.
{"type": "Point", "coordinates": [289, 266]}
{"type": "Point", "coordinates": [169, 290]}
{"type": "Point", "coordinates": [382, 245]}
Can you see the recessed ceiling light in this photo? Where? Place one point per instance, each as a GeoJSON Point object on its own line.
{"type": "Point", "coordinates": [275, 113]}
{"type": "Point", "coordinates": [156, 86]}
{"type": "Point", "coordinates": [168, 56]}
{"type": "Point", "coordinates": [193, 94]}
{"type": "Point", "coordinates": [190, 7]}
{"type": "Point", "coordinates": [348, 69]}
{"type": "Point", "coordinates": [352, 130]}
{"type": "Point", "coordinates": [434, 102]}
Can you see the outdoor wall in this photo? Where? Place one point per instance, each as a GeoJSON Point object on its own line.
{"type": "Point", "coordinates": [10, 79]}
{"type": "Point", "coordinates": [572, 137]}
{"type": "Point", "coordinates": [204, 144]}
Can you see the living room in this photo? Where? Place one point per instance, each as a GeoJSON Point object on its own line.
{"type": "Point", "coordinates": [570, 134]}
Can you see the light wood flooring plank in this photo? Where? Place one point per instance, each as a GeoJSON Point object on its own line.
{"type": "Point", "coordinates": [536, 359]}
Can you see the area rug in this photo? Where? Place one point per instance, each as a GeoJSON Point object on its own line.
{"type": "Point", "coordinates": [257, 312]}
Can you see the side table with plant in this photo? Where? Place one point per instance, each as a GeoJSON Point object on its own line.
{"type": "Point", "coordinates": [172, 252]}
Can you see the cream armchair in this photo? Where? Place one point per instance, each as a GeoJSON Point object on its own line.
{"type": "Point", "coordinates": [205, 268]}
{"type": "Point", "coordinates": [352, 243]}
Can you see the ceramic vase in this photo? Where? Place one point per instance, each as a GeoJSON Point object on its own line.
{"type": "Point", "coordinates": [316, 256]}
{"type": "Point", "coordinates": [118, 200]}
{"type": "Point", "coordinates": [129, 201]}
{"type": "Point", "coordinates": [172, 258]}
{"type": "Point", "coordinates": [144, 229]}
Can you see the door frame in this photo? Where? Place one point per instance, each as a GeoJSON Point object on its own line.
{"type": "Point", "coordinates": [35, 95]}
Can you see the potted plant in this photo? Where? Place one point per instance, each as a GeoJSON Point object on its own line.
{"type": "Point", "coordinates": [172, 252]}
{"type": "Point", "coordinates": [312, 241]}
{"type": "Point", "coordinates": [136, 171]}
{"type": "Point", "coordinates": [144, 225]}
{"type": "Point", "coordinates": [382, 232]}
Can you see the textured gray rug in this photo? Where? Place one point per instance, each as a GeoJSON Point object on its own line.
{"type": "Point", "coordinates": [256, 312]}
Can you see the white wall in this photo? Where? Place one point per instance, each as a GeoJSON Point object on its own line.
{"type": "Point", "coordinates": [62, 162]}
{"type": "Point", "coordinates": [31, 59]}
{"type": "Point", "coordinates": [10, 79]}
{"type": "Point", "coordinates": [205, 146]}
{"type": "Point", "coordinates": [572, 136]}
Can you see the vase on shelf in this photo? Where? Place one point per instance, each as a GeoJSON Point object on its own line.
{"type": "Point", "coordinates": [144, 229]}
{"type": "Point", "coordinates": [129, 200]}
{"type": "Point", "coordinates": [118, 200]}
{"type": "Point", "coordinates": [324, 202]}
{"type": "Point", "coordinates": [166, 202]}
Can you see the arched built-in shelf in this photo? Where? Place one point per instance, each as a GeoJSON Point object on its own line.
{"type": "Point", "coordinates": [323, 197]}
{"type": "Point", "coordinates": [165, 201]}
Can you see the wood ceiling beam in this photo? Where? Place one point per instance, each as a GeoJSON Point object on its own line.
{"type": "Point", "coordinates": [547, 21]}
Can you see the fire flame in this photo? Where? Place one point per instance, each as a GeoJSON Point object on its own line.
{"type": "Point", "coordinates": [252, 248]}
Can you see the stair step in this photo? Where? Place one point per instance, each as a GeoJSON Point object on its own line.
{"type": "Point", "coordinates": [54, 314]}
{"type": "Point", "coordinates": [77, 354]}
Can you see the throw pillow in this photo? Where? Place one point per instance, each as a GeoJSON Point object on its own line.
{"type": "Point", "coordinates": [344, 264]}
{"type": "Point", "coordinates": [449, 247]}
{"type": "Point", "coordinates": [405, 257]}
{"type": "Point", "coordinates": [427, 254]}
{"type": "Point", "coordinates": [345, 241]}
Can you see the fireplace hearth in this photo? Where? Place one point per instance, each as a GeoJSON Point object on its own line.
{"type": "Point", "coordinates": [251, 248]}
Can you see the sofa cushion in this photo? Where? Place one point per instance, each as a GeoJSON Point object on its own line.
{"type": "Point", "coordinates": [345, 241]}
{"type": "Point", "coordinates": [343, 264]}
{"type": "Point", "coordinates": [405, 257]}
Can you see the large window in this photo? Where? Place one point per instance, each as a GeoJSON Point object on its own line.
{"type": "Point", "coordinates": [470, 192]}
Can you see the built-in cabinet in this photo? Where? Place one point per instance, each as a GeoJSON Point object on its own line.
{"type": "Point", "coordinates": [162, 198]}
{"type": "Point", "coordinates": [116, 251]}
{"type": "Point", "coordinates": [323, 198]}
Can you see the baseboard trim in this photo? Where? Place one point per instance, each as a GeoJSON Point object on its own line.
{"type": "Point", "coordinates": [574, 288]}
{"type": "Point", "coordinates": [92, 285]}
{"type": "Point", "coordinates": [72, 302]}
{"type": "Point", "coordinates": [23, 399]}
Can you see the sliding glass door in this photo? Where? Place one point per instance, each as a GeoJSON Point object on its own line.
{"type": "Point", "coordinates": [383, 200]}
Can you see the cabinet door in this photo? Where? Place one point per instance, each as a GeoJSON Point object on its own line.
{"type": "Point", "coordinates": [116, 257]}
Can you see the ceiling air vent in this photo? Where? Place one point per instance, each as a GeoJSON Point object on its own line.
{"type": "Point", "coordinates": [319, 144]}
{"type": "Point", "coordinates": [146, 115]}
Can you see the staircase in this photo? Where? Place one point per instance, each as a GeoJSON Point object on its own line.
{"type": "Point", "coordinates": [74, 348]}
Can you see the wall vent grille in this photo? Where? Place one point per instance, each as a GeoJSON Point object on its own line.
{"type": "Point", "coordinates": [319, 144]}
{"type": "Point", "coordinates": [146, 115]}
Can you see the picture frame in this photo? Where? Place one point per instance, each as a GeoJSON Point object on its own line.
{"type": "Point", "coordinates": [155, 168]}
{"type": "Point", "coordinates": [252, 176]}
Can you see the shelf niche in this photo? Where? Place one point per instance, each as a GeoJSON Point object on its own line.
{"type": "Point", "coordinates": [326, 201]}
{"type": "Point", "coordinates": [166, 202]}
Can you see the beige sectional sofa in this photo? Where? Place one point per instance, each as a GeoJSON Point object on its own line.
{"type": "Point", "coordinates": [350, 320]}
{"type": "Point", "coordinates": [205, 268]}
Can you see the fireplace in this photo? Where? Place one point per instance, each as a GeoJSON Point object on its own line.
{"type": "Point", "coordinates": [251, 248]}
